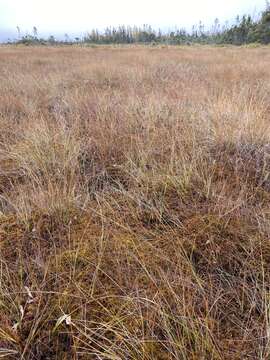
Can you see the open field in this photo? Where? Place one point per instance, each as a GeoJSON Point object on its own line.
{"type": "Point", "coordinates": [134, 203]}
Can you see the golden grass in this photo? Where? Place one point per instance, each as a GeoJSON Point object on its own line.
{"type": "Point", "coordinates": [134, 203]}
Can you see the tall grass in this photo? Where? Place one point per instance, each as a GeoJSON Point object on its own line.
{"type": "Point", "coordinates": [134, 203]}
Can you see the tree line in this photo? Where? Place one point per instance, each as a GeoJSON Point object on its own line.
{"type": "Point", "coordinates": [244, 30]}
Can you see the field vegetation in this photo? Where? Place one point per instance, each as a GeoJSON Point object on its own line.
{"type": "Point", "coordinates": [134, 203]}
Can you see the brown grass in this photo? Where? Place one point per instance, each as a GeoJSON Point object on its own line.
{"type": "Point", "coordinates": [134, 203]}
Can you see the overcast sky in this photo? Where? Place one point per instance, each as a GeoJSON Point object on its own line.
{"type": "Point", "coordinates": [78, 16]}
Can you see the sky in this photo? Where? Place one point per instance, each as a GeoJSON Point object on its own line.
{"type": "Point", "coordinates": [76, 17]}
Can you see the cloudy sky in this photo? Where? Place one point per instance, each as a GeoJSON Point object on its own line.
{"type": "Point", "coordinates": [76, 17]}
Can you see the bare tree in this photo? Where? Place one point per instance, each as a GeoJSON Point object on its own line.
{"type": "Point", "coordinates": [18, 31]}
{"type": "Point", "coordinates": [35, 31]}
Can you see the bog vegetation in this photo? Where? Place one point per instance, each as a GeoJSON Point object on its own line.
{"type": "Point", "coordinates": [244, 30]}
{"type": "Point", "coordinates": [134, 203]}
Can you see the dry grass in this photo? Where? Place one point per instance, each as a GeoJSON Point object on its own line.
{"type": "Point", "coordinates": [134, 202]}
